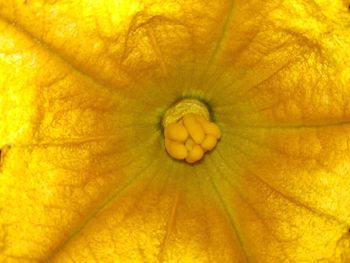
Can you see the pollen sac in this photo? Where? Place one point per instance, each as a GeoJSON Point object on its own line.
{"type": "Point", "coordinates": [191, 137]}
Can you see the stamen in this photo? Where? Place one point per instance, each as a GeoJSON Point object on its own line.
{"type": "Point", "coordinates": [177, 132]}
{"type": "Point", "coordinates": [194, 128]}
{"type": "Point", "coordinates": [209, 142]}
{"type": "Point", "coordinates": [188, 131]}
{"type": "Point", "coordinates": [176, 150]}
{"type": "Point", "coordinates": [195, 154]}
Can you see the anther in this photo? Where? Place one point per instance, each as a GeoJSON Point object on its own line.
{"type": "Point", "coordinates": [194, 128]}
{"type": "Point", "coordinates": [175, 149]}
{"type": "Point", "coordinates": [188, 131]}
{"type": "Point", "coordinates": [177, 132]}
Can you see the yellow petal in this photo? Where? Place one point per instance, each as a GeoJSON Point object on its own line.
{"type": "Point", "coordinates": [83, 175]}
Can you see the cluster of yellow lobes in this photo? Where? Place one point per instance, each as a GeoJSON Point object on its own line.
{"type": "Point", "coordinates": [191, 137]}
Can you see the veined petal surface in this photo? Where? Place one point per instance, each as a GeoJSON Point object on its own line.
{"type": "Point", "coordinates": [84, 176]}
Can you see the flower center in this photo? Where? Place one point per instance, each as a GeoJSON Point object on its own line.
{"type": "Point", "coordinates": [188, 131]}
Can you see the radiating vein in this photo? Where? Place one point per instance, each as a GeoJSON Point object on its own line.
{"type": "Point", "coordinates": [88, 220]}
{"type": "Point", "coordinates": [287, 197]}
{"type": "Point", "coordinates": [297, 126]}
{"type": "Point", "coordinates": [229, 217]}
{"type": "Point", "coordinates": [221, 38]}
{"type": "Point", "coordinates": [55, 52]}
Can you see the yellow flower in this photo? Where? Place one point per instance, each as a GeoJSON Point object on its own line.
{"type": "Point", "coordinates": [84, 173]}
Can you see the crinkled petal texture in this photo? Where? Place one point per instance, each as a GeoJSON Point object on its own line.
{"type": "Point", "coordinates": [84, 176]}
